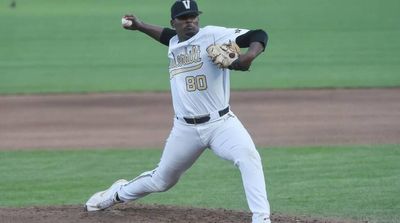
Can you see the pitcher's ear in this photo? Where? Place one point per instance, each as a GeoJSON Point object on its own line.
{"type": "Point", "coordinates": [172, 23]}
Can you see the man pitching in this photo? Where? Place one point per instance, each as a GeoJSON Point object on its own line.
{"type": "Point", "coordinates": [200, 61]}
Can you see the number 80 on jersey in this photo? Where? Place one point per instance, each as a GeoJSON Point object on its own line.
{"type": "Point", "coordinates": [194, 83]}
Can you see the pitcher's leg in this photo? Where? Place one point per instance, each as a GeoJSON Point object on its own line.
{"type": "Point", "coordinates": [232, 142]}
{"type": "Point", "coordinates": [181, 151]}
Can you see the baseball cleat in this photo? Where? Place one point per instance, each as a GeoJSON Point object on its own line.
{"type": "Point", "coordinates": [105, 199]}
{"type": "Point", "coordinates": [261, 218]}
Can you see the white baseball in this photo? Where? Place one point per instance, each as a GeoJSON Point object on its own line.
{"type": "Point", "coordinates": [126, 22]}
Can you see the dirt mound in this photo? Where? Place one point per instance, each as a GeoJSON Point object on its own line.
{"type": "Point", "coordinates": [139, 213]}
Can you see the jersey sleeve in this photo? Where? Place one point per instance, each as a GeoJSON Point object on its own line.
{"type": "Point", "coordinates": [223, 35]}
{"type": "Point", "coordinates": [257, 35]}
{"type": "Point", "coordinates": [166, 35]}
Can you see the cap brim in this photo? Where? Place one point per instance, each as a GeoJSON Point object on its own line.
{"type": "Point", "coordinates": [193, 12]}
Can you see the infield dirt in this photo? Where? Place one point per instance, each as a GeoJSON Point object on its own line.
{"type": "Point", "coordinates": [143, 120]}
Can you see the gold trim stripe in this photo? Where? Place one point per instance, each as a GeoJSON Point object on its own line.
{"type": "Point", "coordinates": [177, 71]}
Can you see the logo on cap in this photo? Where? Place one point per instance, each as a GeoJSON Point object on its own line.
{"type": "Point", "coordinates": [184, 7]}
{"type": "Point", "coordinates": [186, 3]}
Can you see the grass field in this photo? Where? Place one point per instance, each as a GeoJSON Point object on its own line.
{"type": "Point", "coordinates": [55, 46]}
{"type": "Point", "coordinates": [345, 182]}
{"type": "Point", "coordinates": [79, 46]}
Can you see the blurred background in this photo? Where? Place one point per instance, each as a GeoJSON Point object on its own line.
{"type": "Point", "coordinates": [79, 45]}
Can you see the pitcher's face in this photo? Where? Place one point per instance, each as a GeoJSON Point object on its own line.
{"type": "Point", "coordinates": [186, 26]}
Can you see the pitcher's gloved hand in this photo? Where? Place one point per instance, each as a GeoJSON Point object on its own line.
{"type": "Point", "coordinates": [223, 55]}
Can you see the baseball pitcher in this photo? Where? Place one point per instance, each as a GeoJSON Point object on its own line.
{"type": "Point", "coordinates": [200, 60]}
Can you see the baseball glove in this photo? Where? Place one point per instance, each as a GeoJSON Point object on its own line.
{"type": "Point", "coordinates": [223, 55]}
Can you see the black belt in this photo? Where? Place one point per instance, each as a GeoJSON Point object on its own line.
{"type": "Point", "coordinates": [205, 118]}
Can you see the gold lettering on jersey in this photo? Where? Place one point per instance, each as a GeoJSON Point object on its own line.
{"type": "Point", "coordinates": [190, 55]}
{"type": "Point", "coordinates": [179, 63]}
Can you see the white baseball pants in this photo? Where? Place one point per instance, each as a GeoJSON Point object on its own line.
{"type": "Point", "coordinates": [227, 138]}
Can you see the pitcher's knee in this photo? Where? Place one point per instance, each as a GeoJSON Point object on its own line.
{"type": "Point", "coordinates": [248, 156]}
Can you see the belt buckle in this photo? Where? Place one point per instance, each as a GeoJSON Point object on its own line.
{"type": "Point", "coordinates": [195, 118]}
{"type": "Point", "coordinates": [199, 119]}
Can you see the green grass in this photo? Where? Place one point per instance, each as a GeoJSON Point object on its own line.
{"type": "Point", "coordinates": [359, 182]}
{"type": "Point", "coordinates": [78, 46]}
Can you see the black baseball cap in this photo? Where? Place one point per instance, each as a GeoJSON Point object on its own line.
{"type": "Point", "coordinates": [184, 7]}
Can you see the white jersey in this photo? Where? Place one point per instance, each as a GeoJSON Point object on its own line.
{"type": "Point", "coordinates": [198, 86]}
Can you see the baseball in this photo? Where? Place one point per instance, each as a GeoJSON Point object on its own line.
{"type": "Point", "coordinates": [126, 22]}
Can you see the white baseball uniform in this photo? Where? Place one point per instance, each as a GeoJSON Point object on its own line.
{"type": "Point", "coordinates": [200, 94]}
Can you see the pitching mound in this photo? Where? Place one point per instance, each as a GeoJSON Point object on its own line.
{"type": "Point", "coordinates": [139, 213]}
